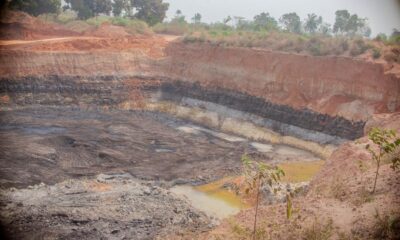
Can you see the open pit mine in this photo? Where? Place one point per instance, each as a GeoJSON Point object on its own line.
{"type": "Point", "coordinates": [122, 138]}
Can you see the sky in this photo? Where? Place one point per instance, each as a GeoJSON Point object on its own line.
{"type": "Point", "coordinates": [383, 15]}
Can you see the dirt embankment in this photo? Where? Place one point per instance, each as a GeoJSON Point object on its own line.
{"type": "Point", "coordinates": [340, 86]}
{"type": "Point", "coordinates": [333, 85]}
{"type": "Point", "coordinates": [19, 25]}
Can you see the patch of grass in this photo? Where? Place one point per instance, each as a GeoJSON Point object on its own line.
{"type": "Point", "coordinates": [132, 26]}
{"type": "Point", "coordinates": [241, 232]}
{"type": "Point", "coordinates": [97, 21]}
{"type": "Point", "coordinates": [174, 28]}
{"type": "Point", "coordinates": [387, 226]}
{"type": "Point", "coordinates": [364, 196]}
{"type": "Point", "coordinates": [338, 189]}
{"type": "Point", "coordinates": [319, 231]}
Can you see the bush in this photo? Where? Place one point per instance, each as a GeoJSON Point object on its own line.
{"type": "Point", "coordinates": [174, 28]}
{"type": "Point", "coordinates": [66, 17]}
{"type": "Point", "coordinates": [376, 53]}
{"type": "Point", "coordinates": [319, 231]}
{"type": "Point", "coordinates": [359, 47]}
{"type": "Point", "coordinates": [97, 21]}
{"type": "Point", "coordinates": [78, 26]}
{"type": "Point", "coordinates": [381, 37]}
{"type": "Point", "coordinates": [386, 227]}
{"type": "Point", "coordinates": [132, 26]}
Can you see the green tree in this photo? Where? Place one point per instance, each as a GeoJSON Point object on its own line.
{"type": "Point", "coordinates": [264, 21]}
{"type": "Point", "coordinates": [350, 24]}
{"type": "Point", "coordinates": [257, 175]}
{"type": "Point", "coordinates": [325, 29]}
{"type": "Point", "coordinates": [227, 19]}
{"type": "Point", "coordinates": [179, 17]}
{"type": "Point", "coordinates": [341, 21]}
{"type": "Point", "coordinates": [82, 7]}
{"type": "Point", "coordinates": [291, 22]}
{"type": "Point", "coordinates": [36, 7]}
{"type": "Point", "coordinates": [150, 11]}
{"type": "Point", "coordinates": [312, 23]}
{"type": "Point", "coordinates": [118, 6]}
{"type": "Point", "coordinates": [197, 18]}
{"type": "Point", "coordinates": [102, 6]}
{"type": "Point", "coordinates": [385, 144]}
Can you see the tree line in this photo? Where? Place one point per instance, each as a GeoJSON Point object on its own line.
{"type": "Point", "coordinates": [345, 23]}
{"type": "Point", "coordinates": [150, 11]}
{"type": "Point", "coordinates": [154, 11]}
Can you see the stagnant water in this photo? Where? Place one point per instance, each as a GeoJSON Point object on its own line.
{"type": "Point", "coordinates": [220, 202]}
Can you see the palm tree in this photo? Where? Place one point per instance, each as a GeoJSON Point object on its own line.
{"type": "Point", "coordinates": [312, 23]}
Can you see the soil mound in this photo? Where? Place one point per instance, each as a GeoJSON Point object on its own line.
{"type": "Point", "coordinates": [21, 26]}
{"type": "Point", "coordinates": [106, 30]}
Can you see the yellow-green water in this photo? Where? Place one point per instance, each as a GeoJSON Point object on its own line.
{"type": "Point", "coordinates": [300, 171]}
{"type": "Point", "coordinates": [217, 201]}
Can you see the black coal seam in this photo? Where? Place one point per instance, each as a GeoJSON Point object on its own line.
{"type": "Point", "coordinates": [304, 118]}
{"type": "Point", "coordinates": [67, 84]}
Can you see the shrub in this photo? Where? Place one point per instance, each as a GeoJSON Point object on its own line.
{"type": "Point", "coordinates": [97, 21]}
{"type": "Point", "coordinates": [173, 28]}
{"type": "Point", "coordinates": [132, 26]}
{"type": "Point", "coordinates": [258, 174]}
{"type": "Point", "coordinates": [385, 143]}
{"type": "Point", "coordinates": [381, 37]}
{"type": "Point", "coordinates": [376, 53]}
{"type": "Point", "coordinates": [66, 17]}
{"type": "Point", "coordinates": [78, 26]}
{"type": "Point", "coordinates": [319, 231]}
{"type": "Point", "coordinates": [386, 227]}
{"type": "Point", "coordinates": [359, 47]}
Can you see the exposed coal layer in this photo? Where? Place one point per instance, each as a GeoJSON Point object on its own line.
{"type": "Point", "coordinates": [111, 91]}
{"type": "Point", "coordinates": [304, 118]}
{"type": "Point", "coordinates": [72, 90]}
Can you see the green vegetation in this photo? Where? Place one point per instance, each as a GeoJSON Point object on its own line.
{"type": "Point", "coordinates": [291, 22]}
{"type": "Point", "coordinates": [387, 226]}
{"type": "Point", "coordinates": [384, 146]}
{"type": "Point", "coordinates": [36, 7]}
{"type": "Point", "coordinates": [89, 8]}
{"type": "Point", "coordinates": [258, 175]}
{"type": "Point", "coordinates": [350, 24]}
{"type": "Point", "coordinates": [149, 11]}
{"type": "Point", "coordinates": [289, 34]}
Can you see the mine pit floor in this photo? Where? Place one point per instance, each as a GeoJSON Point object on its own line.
{"type": "Point", "coordinates": [93, 174]}
{"type": "Point", "coordinates": [50, 145]}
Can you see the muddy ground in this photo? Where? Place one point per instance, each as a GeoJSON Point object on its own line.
{"type": "Point", "coordinates": [67, 173]}
{"type": "Point", "coordinates": [50, 145]}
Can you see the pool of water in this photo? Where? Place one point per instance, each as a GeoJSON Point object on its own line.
{"type": "Point", "coordinates": [210, 204]}
{"type": "Point", "coordinates": [219, 200]}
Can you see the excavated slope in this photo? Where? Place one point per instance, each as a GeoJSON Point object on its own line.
{"type": "Point", "coordinates": [332, 95]}
{"type": "Point", "coordinates": [341, 86]}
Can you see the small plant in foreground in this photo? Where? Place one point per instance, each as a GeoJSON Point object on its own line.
{"type": "Point", "coordinates": [257, 175]}
{"type": "Point", "coordinates": [386, 143]}
{"type": "Point", "coordinates": [386, 227]}
{"type": "Point", "coordinates": [319, 231]}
